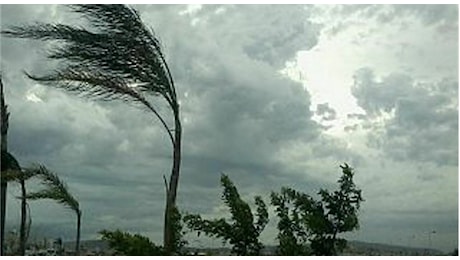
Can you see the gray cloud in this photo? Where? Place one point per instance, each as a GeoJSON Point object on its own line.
{"type": "Point", "coordinates": [430, 14]}
{"type": "Point", "coordinates": [440, 16]}
{"type": "Point", "coordinates": [271, 34]}
{"type": "Point", "coordinates": [238, 111]}
{"type": "Point", "coordinates": [424, 126]}
{"type": "Point", "coordinates": [240, 116]}
{"type": "Point", "coordinates": [326, 112]}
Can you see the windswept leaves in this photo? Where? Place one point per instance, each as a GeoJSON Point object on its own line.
{"type": "Point", "coordinates": [55, 188]}
{"type": "Point", "coordinates": [242, 233]}
{"type": "Point", "coordinates": [120, 47]}
{"type": "Point", "coordinates": [130, 245]}
{"type": "Point", "coordinates": [304, 219]}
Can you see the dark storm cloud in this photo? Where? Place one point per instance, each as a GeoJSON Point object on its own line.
{"type": "Point", "coordinates": [237, 112]}
{"type": "Point", "coordinates": [272, 34]}
{"type": "Point", "coordinates": [240, 117]}
{"type": "Point", "coordinates": [425, 124]}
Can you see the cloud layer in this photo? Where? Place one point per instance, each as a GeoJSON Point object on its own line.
{"type": "Point", "coordinates": [244, 116]}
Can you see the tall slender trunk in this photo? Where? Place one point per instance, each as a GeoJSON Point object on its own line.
{"type": "Point", "coordinates": [169, 232]}
{"type": "Point", "coordinates": [22, 229]}
{"type": "Point", "coordinates": [4, 149]}
{"type": "Point", "coordinates": [4, 186]}
{"type": "Point", "coordinates": [77, 243]}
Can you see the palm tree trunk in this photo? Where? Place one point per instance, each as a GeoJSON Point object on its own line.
{"type": "Point", "coordinates": [169, 232]}
{"type": "Point", "coordinates": [22, 231]}
{"type": "Point", "coordinates": [4, 183]}
{"type": "Point", "coordinates": [77, 243]}
{"type": "Point", "coordinates": [4, 186]}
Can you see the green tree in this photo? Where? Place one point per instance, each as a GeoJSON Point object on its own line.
{"type": "Point", "coordinates": [120, 59]}
{"type": "Point", "coordinates": [130, 245]}
{"type": "Point", "coordinates": [304, 219]}
{"type": "Point", "coordinates": [58, 191]}
{"type": "Point", "coordinates": [242, 232]}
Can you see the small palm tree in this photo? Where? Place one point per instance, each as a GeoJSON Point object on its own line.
{"type": "Point", "coordinates": [120, 59]}
{"type": "Point", "coordinates": [15, 174]}
{"type": "Point", "coordinates": [56, 190]}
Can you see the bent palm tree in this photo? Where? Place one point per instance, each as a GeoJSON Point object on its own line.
{"type": "Point", "coordinates": [56, 190]}
{"type": "Point", "coordinates": [120, 60]}
{"type": "Point", "coordinates": [13, 173]}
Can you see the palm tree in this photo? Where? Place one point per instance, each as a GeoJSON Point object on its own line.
{"type": "Point", "coordinates": [121, 59]}
{"type": "Point", "coordinates": [11, 171]}
{"type": "Point", "coordinates": [17, 175]}
{"type": "Point", "coordinates": [56, 190]}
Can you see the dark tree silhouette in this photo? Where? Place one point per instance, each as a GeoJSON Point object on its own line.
{"type": "Point", "coordinates": [9, 167]}
{"type": "Point", "coordinates": [130, 245]}
{"type": "Point", "coordinates": [20, 176]}
{"type": "Point", "coordinates": [303, 218]}
{"type": "Point", "coordinates": [11, 171]}
{"type": "Point", "coordinates": [242, 232]}
{"type": "Point", "coordinates": [121, 59]}
{"type": "Point", "coordinates": [56, 190]}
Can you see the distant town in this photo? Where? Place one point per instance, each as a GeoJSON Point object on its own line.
{"type": "Point", "coordinates": [55, 247]}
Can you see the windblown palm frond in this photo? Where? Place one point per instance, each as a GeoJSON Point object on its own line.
{"type": "Point", "coordinates": [120, 46]}
{"type": "Point", "coordinates": [55, 189]}
{"type": "Point", "coordinates": [117, 58]}
{"type": "Point", "coordinates": [120, 59]}
{"type": "Point", "coordinates": [11, 171]}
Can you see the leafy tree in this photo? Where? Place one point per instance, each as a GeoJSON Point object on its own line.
{"type": "Point", "coordinates": [178, 233]}
{"type": "Point", "coordinates": [121, 59]}
{"type": "Point", "coordinates": [292, 235]}
{"type": "Point", "coordinates": [130, 245]}
{"type": "Point", "coordinates": [304, 219]}
{"type": "Point", "coordinates": [56, 190]}
{"type": "Point", "coordinates": [242, 232]}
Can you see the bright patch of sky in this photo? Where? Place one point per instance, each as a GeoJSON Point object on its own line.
{"type": "Point", "coordinates": [354, 40]}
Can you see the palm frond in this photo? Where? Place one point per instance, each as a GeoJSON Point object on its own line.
{"type": "Point", "coordinates": [55, 189]}
{"type": "Point", "coordinates": [121, 59]}
{"type": "Point", "coordinates": [11, 175]}
{"type": "Point", "coordinates": [122, 46]}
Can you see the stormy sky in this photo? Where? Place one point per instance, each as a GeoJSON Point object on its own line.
{"type": "Point", "coordinates": [272, 95]}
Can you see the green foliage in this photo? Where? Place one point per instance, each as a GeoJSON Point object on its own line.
{"type": "Point", "coordinates": [130, 245]}
{"type": "Point", "coordinates": [242, 232]}
{"type": "Point", "coordinates": [292, 235]}
{"type": "Point", "coordinates": [303, 219]}
{"type": "Point", "coordinates": [177, 227]}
